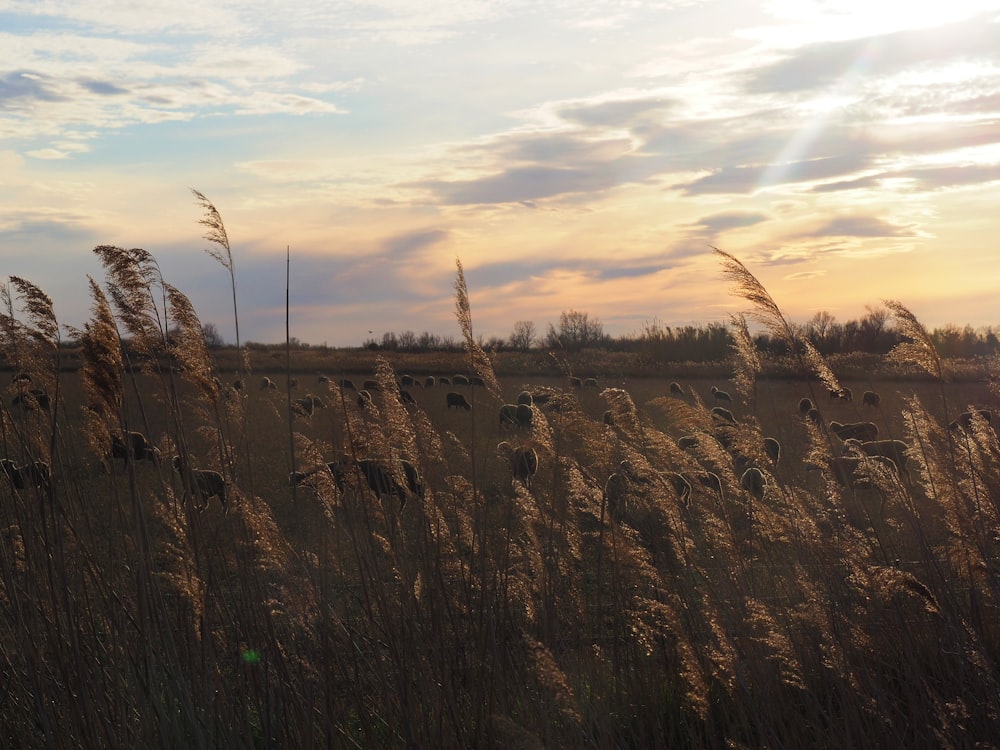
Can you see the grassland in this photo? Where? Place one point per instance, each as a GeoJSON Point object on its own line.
{"type": "Point", "coordinates": [487, 613]}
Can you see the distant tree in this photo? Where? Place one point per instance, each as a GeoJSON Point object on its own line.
{"type": "Point", "coordinates": [213, 339]}
{"type": "Point", "coordinates": [576, 331]}
{"type": "Point", "coordinates": [523, 335]}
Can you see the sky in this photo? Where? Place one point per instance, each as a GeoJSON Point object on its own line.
{"type": "Point", "coordinates": [573, 154]}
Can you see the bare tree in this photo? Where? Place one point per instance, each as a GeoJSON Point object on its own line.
{"type": "Point", "coordinates": [523, 335]}
{"type": "Point", "coordinates": [576, 331]}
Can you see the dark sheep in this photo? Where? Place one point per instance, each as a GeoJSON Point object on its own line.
{"type": "Point", "coordinates": [524, 397]}
{"type": "Point", "coordinates": [815, 417]}
{"type": "Point", "coordinates": [870, 398]}
{"type": "Point", "coordinates": [458, 401]}
{"type": "Point", "coordinates": [206, 483]}
{"type": "Point", "coordinates": [347, 385]}
{"type": "Point", "coordinates": [805, 406]}
{"type": "Point", "coordinates": [862, 431]}
{"type": "Point", "coordinates": [522, 462]}
{"type": "Point", "coordinates": [365, 399]}
{"type": "Point", "coordinates": [844, 394]}
{"type": "Point", "coordinates": [407, 380]}
{"type": "Point", "coordinates": [590, 383]}
{"type": "Point", "coordinates": [675, 389]}
{"type": "Point", "coordinates": [723, 414]}
{"type": "Point", "coordinates": [618, 489]}
{"type": "Point", "coordinates": [307, 405]}
{"type": "Point", "coordinates": [721, 395]}
{"type": "Point", "coordinates": [681, 486]}
{"type": "Point", "coordinates": [444, 380]}
{"type": "Point", "coordinates": [475, 380]}
{"type": "Point", "coordinates": [380, 479]}
{"type": "Point", "coordinates": [964, 420]}
{"type": "Point", "coordinates": [508, 414]}
{"type": "Point", "coordinates": [894, 450]}
{"type": "Point", "coordinates": [772, 448]}
{"type": "Point", "coordinates": [525, 416]}
{"type": "Point", "coordinates": [754, 482]}
{"type": "Point", "coordinates": [33, 474]}
{"type": "Point", "coordinates": [575, 382]}
{"type": "Point", "coordinates": [134, 445]}
{"type": "Point", "coordinates": [459, 380]}
{"type": "Point", "coordinates": [405, 397]}
{"type": "Point", "coordinates": [429, 382]}
{"type": "Point", "coordinates": [371, 385]}
{"type": "Point", "coordinates": [608, 417]}
{"type": "Point", "coordinates": [266, 384]}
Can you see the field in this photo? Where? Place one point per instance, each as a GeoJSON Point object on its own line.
{"type": "Point", "coordinates": [629, 563]}
{"type": "Point", "coordinates": [489, 614]}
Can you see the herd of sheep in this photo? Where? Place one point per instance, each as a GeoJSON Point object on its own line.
{"type": "Point", "coordinates": [861, 449]}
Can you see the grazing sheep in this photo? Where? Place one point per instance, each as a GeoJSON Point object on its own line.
{"type": "Point", "coordinates": [307, 405]}
{"type": "Point", "coordinates": [476, 380]}
{"type": "Point", "coordinates": [815, 417]}
{"type": "Point", "coordinates": [608, 417]}
{"type": "Point", "coordinates": [844, 394]}
{"type": "Point", "coordinates": [347, 385]}
{"type": "Point", "coordinates": [710, 480]}
{"type": "Point", "coordinates": [773, 449]}
{"type": "Point", "coordinates": [754, 483]}
{"type": "Point", "coordinates": [381, 480]}
{"type": "Point", "coordinates": [525, 415]}
{"type": "Point", "coordinates": [721, 395]}
{"type": "Point", "coordinates": [964, 420]}
{"type": "Point", "coordinates": [321, 378]}
{"type": "Point", "coordinates": [681, 486]}
{"type": "Point", "coordinates": [32, 399]}
{"type": "Point", "coordinates": [723, 414]}
{"type": "Point", "coordinates": [207, 483]}
{"type": "Point", "coordinates": [134, 445]}
{"type": "Point", "coordinates": [575, 382]}
{"type": "Point", "coordinates": [508, 414]}
{"type": "Point", "coordinates": [457, 400]}
{"type": "Point", "coordinates": [687, 442]}
{"type": "Point", "coordinates": [855, 472]}
{"type": "Point", "coordinates": [805, 406]}
{"type": "Point", "coordinates": [412, 476]}
{"type": "Point", "coordinates": [524, 397]}
{"type": "Point", "coordinates": [444, 380]}
{"type": "Point", "coordinates": [459, 380]}
{"type": "Point", "coordinates": [365, 399]}
{"type": "Point", "coordinates": [870, 398]}
{"type": "Point", "coordinates": [371, 385]}
{"type": "Point", "coordinates": [429, 382]}
{"type": "Point", "coordinates": [34, 474]}
{"type": "Point", "coordinates": [618, 487]}
{"type": "Point", "coordinates": [894, 450]}
{"type": "Point", "coordinates": [522, 462]}
{"type": "Point", "coordinates": [405, 397]}
{"type": "Point", "coordinates": [407, 380]}
{"type": "Point", "coordinates": [266, 384]}
{"type": "Point", "coordinates": [590, 383]}
{"type": "Point", "coordinates": [862, 431]}
{"type": "Point", "coordinates": [675, 389]}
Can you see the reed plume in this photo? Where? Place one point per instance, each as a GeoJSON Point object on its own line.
{"type": "Point", "coordinates": [478, 359]}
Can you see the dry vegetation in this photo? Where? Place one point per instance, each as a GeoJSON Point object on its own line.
{"type": "Point", "coordinates": [805, 613]}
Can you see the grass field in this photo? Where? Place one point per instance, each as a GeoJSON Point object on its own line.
{"type": "Point", "coordinates": [636, 594]}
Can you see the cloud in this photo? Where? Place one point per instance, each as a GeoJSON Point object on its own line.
{"type": "Point", "coordinates": [720, 222]}
{"type": "Point", "coordinates": [22, 86]}
{"type": "Point", "coordinates": [752, 178]}
{"type": "Point", "coordinates": [859, 226]}
{"type": "Point", "coordinates": [412, 242]}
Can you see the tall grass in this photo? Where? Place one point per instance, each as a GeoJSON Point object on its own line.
{"type": "Point", "coordinates": [485, 614]}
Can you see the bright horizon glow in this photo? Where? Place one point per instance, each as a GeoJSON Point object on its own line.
{"type": "Point", "coordinates": [580, 156]}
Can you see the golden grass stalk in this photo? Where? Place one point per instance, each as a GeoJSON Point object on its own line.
{"type": "Point", "coordinates": [917, 349]}
{"type": "Point", "coordinates": [478, 359]}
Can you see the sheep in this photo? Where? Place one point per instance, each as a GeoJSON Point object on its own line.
{"type": "Point", "coordinates": [965, 419]}
{"type": "Point", "coordinates": [618, 487]}
{"type": "Point", "coordinates": [347, 385]}
{"type": "Point", "coordinates": [608, 418]}
{"type": "Point", "coordinates": [590, 383]}
{"type": "Point", "coordinates": [407, 380]}
{"type": "Point", "coordinates": [237, 385]}
{"type": "Point", "coordinates": [710, 480]}
{"type": "Point", "coordinates": [773, 449]}
{"type": "Point", "coordinates": [859, 430]}
{"type": "Point", "coordinates": [724, 415]}
{"type": "Point", "coordinates": [754, 482]}
{"type": "Point", "coordinates": [321, 379]}
{"type": "Point", "coordinates": [412, 476]}
{"type": "Point", "coordinates": [805, 406]}
{"type": "Point", "coordinates": [371, 385]}
{"type": "Point", "coordinates": [870, 398]}
{"type": "Point", "coordinates": [525, 415]}
{"type": "Point", "coordinates": [33, 474]}
{"type": "Point", "coordinates": [681, 486]}
{"type": "Point", "coordinates": [687, 442]}
{"type": "Point", "coordinates": [266, 384]}
{"type": "Point", "coordinates": [134, 445]}
{"type": "Point", "coordinates": [855, 472]}
{"type": "Point", "coordinates": [815, 417]}
{"type": "Point", "coordinates": [365, 399]}
{"type": "Point", "coordinates": [405, 397]}
{"type": "Point", "coordinates": [475, 380]}
{"type": "Point", "coordinates": [429, 381]}
{"type": "Point", "coordinates": [379, 477]}
{"type": "Point", "coordinates": [31, 399]}
{"type": "Point", "coordinates": [444, 380]}
{"type": "Point", "coordinates": [522, 462]}
{"type": "Point", "coordinates": [894, 450]}
{"type": "Point", "coordinates": [525, 397]}
{"type": "Point", "coordinates": [575, 382]}
{"type": "Point", "coordinates": [208, 484]}
{"type": "Point", "coordinates": [721, 395]}
{"type": "Point", "coordinates": [457, 400]}
{"type": "Point", "coordinates": [676, 390]}
{"type": "Point", "coordinates": [508, 414]}
{"type": "Point", "coordinates": [843, 394]}
{"type": "Point", "coordinates": [307, 405]}
{"type": "Point", "coordinates": [459, 380]}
